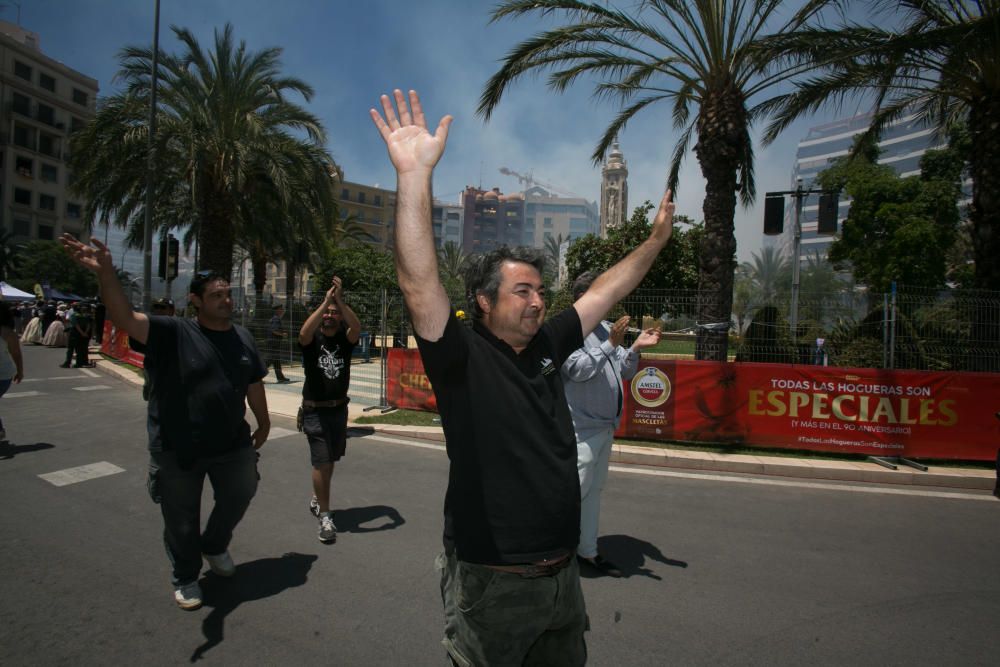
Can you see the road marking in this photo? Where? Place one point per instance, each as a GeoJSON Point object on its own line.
{"type": "Point", "coordinates": [22, 394]}
{"type": "Point", "coordinates": [278, 432]}
{"type": "Point", "coordinates": [95, 387]}
{"type": "Point", "coordinates": [411, 443]}
{"type": "Point", "coordinates": [81, 473]}
{"type": "Point", "coordinates": [89, 373]}
{"type": "Point", "coordinates": [54, 377]}
{"type": "Point", "coordinates": [833, 486]}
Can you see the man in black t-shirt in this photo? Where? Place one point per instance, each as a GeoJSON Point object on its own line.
{"type": "Point", "coordinates": [509, 581]}
{"type": "Point", "coordinates": [202, 374]}
{"type": "Point", "coordinates": [327, 339]}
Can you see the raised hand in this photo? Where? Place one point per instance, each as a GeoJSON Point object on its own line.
{"type": "Point", "coordinates": [647, 338]}
{"type": "Point", "coordinates": [617, 336]}
{"type": "Point", "coordinates": [336, 289]}
{"type": "Point", "coordinates": [94, 257]}
{"type": "Point", "coordinates": [663, 223]}
{"type": "Point", "coordinates": [412, 148]}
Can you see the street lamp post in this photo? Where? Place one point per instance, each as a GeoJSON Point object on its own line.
{"type": "Point", "coordinates": [147, 237]}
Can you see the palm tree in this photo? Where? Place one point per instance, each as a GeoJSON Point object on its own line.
{"type": "Point", "coordinates": [227, 136]}
{"type": "Point", "coordinates": [694, 54]}
{"type": "Point", "coordinates": [941, 64]}
{"type": "Point", "coordinates": [10, 257]}
{"type": "Point", "coordinates": [552, 244]}
{"type": "Point", "coordinates": [770, 273]}
{"type": "Point", "coordinates": [451, 260]}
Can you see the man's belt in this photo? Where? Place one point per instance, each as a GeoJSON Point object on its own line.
{"type": "Point", "coordinates": [335, 403]}
{"type": "Point", "coordinates": [534, 570]}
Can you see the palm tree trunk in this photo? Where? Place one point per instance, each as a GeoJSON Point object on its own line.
{"type": "Point", "coordinates": [216, 237]}
{"type": "Point", "coordinates": [718, 149]}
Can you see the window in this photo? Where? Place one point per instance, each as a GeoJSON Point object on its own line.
{"type": "Point", "coordinates": [345, 194]}
{"type": "Point", "coordinates": [46, 232]}
{"type": "Point", "coordinates": [378, 200]}
{"type": "Point", "coordinates": [50, 173]}
{"type": "Point", "coordinates": [22, 227]}
{"type": "Point", "coordinates": [24, 166]}
{"type": "Point", "coordinates": [46, 114]}
{"type": "Point", "coordinates": [361, 197]}
{"type": "Point", "coordinates": [24, 136]}
{"type": "Point", "coordinates": [547, 222]}
{"type": "Point", "coordinates": [47, 82]}
{"type": "Point", "coordinates": [80, 97]}
{"type": "Point", "coordinates": [47, 144]}
{"type": "Point", "coordinates": [21, 104]}
{"type": "Point", "coordinates": [21, 70]}
{"type": "Point", "coordinates": [72, 210]}
{"type": "Point", "coordinates": [22, 196]}
{"type": "Point", "coordinates": [46, 203]}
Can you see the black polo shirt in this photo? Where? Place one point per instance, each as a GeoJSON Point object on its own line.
{"type": "Point", "coordinates": [513, 491]}
{"type": "Point", "coordinates": [198, 381]}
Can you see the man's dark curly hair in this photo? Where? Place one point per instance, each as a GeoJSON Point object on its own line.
{"type": "Point", "coordinates": [203, 278]}
{"type": "Point", "coordinates": [482, 274]}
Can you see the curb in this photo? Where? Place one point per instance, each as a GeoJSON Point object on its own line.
{"type": "Point", "coordinates": [286, 404]}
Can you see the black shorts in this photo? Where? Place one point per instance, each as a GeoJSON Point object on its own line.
{"type": "Point", "coordinates": [326, 429]}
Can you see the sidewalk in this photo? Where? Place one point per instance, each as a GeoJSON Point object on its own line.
{"type": "Point", "coordinates": [285, 399]}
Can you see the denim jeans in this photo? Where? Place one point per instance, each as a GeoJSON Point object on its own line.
{"type": "Point", "coordinates": [234, 482]}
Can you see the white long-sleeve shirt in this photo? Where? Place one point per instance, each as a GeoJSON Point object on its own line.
{"type": "Point", "coordinates": [593, 381]}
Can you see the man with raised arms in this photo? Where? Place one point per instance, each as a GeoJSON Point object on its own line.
{"type": "Point", "coordinates": [509, 579]}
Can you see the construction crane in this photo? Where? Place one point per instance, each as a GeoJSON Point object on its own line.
{"type": "Point", "coordinates": [529, 180]}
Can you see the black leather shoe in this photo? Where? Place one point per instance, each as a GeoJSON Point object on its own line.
{"type": "Point", "coordinates": [601, 565]}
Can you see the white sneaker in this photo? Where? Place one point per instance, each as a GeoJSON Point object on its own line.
{"type": "Point", "coordinates": [314, 507]}
{"type": "Point", "coordinates": [327, 531]}
{"type": "Point", "coordinates": [188, 596]}
{"type": "Point", "coordinates": [222, 564]}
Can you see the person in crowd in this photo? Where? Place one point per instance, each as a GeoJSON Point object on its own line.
{"type": "Point", "coordinates": [275, 337]}
{"type": "Point", "coordinates": [509, 579]}
{"type": "Point", "coordinates": [55, 332]}
{"type": "Point", "coordinates": [327, 339]}
{"type": "Point", "coordinates": [79, 327]}
{"type": "Point", "coordinates": [593, 377]}
{"type": "Point", "coordinates": [98, 320]}
{"type": "Point", "coordinates": [33, 332]}
{"type": "Point", "coordinates": [203, 372]}
{"type": "Point", "coordinates": [11, 362]}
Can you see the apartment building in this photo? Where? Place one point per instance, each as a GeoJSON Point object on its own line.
{"type": "Point", "coordinates": [42, 101]}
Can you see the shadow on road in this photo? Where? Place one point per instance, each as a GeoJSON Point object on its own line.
{"type": "Point", "coordinates": [255, 580]}
{"type": "Point", "coordinates": [630, 554]}
{"type": "Point", "coordinates": [354, 519]}
{"type": "Point", "coordinates": [9, 450]}
{"type": "Point", "coordinates": [359, 431]}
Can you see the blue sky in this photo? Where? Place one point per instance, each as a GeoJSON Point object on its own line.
{"type": "Point", "coordinates": [351, 51]}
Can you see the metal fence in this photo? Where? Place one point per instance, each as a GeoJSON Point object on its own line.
{"type": "Point", "coordinates": [384, 324]}
{"type": "Point", "coordinates": [909, 329]}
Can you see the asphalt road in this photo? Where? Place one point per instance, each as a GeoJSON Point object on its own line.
{"type": "Point", "coordinates": [721, 569]}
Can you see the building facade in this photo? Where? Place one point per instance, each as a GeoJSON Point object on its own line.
{"type": "Point", "coordinates": [560, 218]}
{"type": "Point", "coordinates": [491, 219]}
{"type": "Point", "coordinates": [902, 145]}
{"type": "Point", "coordinates": [42, 102]}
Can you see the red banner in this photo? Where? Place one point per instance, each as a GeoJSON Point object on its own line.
{"type": "Point", "coordinates": [848, 410]}
{"type": "Point", "coordinates": [407, 385]}
{"type": "Point", "coordinates": [114, 343]}
{"type": "Point", "coordinates": [919, 414]}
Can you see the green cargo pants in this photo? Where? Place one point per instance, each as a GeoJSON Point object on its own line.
{"type": "Point", "coordinates": [498, 618]}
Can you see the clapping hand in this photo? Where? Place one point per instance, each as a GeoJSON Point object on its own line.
{"type": "Point", "coordinates": [647, 338]}
{"type": "Point", "coordinates": [617, 335]}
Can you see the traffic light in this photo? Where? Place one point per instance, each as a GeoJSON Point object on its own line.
{"type": "Point", "coordinates": [774, 214]}
{"type": "Point", "coordinates": [170, 249]}
{"type": "Point", "coordinates": [827, 218]}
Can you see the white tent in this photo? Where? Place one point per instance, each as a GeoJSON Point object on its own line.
{"type": "Point", "coordinates": [11, 293]}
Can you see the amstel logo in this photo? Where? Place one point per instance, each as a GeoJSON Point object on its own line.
{"type": "Point", "coordinates": [651, 388]}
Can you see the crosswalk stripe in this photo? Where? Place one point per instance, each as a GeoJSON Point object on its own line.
{"type": "Point", "coordinates": [22, 394]}
{"type": "Point", "coordinates": [94, 387]}
{"type": "Point", "coordinates": [278, 432]}
{"type": "Point", "coordinates": [81, 473]}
